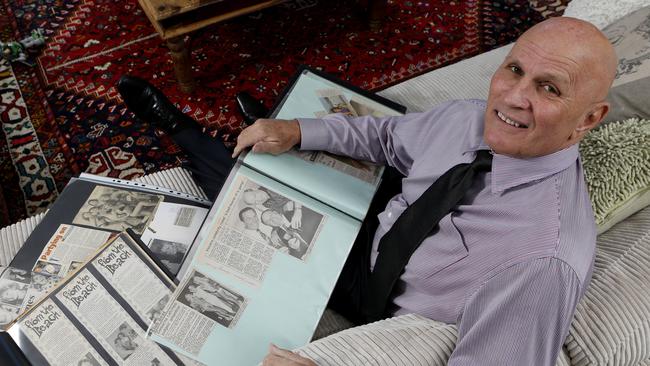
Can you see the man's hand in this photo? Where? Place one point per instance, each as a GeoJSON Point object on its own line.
{"type": "Point", "coordinates": [273, 136]}
{"type": "Point", "coordinates": [282, 357]}
{"type": "Point", "coordinates": [296, 218]}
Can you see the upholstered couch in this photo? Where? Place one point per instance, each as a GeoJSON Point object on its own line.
{"type": "Point", "coordinates": [612, 322]}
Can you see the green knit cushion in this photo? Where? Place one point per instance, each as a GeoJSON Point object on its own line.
{"type": "Point", "coordinates": [616, 160]}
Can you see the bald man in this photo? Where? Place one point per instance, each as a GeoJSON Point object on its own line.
{"type": "Point", "coordinates": [510, 262]}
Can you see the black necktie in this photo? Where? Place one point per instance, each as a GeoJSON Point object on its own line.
{"type": "Point", "coordinates": [415, 224]}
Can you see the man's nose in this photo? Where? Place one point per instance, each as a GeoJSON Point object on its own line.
{"type": "Point", "coordinates": [518, 95]}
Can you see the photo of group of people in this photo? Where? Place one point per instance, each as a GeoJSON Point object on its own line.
{"type": "Point", "coordinates": [276, 220]}
{"type": "Point", "coordinates": [212, 299]}
{"type": "Point", "coordinates": [17, 286]}
{"type": "Point", "coordinates": [14, 284]}
{"type": "Point", "coordinates": [118, 209]}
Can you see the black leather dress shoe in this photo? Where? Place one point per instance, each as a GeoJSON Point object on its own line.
{"type": "Point", "coordinates": [250, 108]}
{"type": "Point", "coordinates": [150, 105]}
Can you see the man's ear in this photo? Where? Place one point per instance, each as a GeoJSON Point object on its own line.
{"type": "Point", "coordinates": [591, 120]}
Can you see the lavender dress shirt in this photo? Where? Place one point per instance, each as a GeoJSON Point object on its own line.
{"type": "Point", "coordinates": [511, 262]}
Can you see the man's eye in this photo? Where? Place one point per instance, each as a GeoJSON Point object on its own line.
{"type": "Point", "coordinates": [551, 89]}
{"type": "Point", "coordinates": [515, 69]}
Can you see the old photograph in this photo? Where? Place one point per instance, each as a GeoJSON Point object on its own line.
{"type": "Point", "coordinates": [47, 268]}
{"type": "Point", "coordinates": [17, 275]}
{"type": "Point", "coordinates": [19, 290]}
{"type": "Point", "coordinates": [12, 293]}
{"type": "Point", "coordinates": [267, 216]}
{"type": "Point", "coordinates": [124, 340]}
{"type": "Point", "coordinates": [155, 312]}
{"type": "Point", "coordinates": [88, 360]}
{"type": "Point", "coordinates": [118, 209]}
{"type": "Point", "coordinates": [211, 299]}
{"type": "Point", "coordinates": [7, 313]}
{"type": "Point", "coordinates": [43, 282]}
{"type": "Point", "coordinates": [364, 109]}
{"type": "Point", "coordinates": [74, 265]}
{"type": "Point", "coordinates": [334, 101]}
{"type": "Point", "coordinates": [169, 253]}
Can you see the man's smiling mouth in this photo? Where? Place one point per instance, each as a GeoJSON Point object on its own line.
{"type": "Point", "coordinates": [509, 121]}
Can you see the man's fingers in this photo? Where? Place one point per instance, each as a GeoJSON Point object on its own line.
{"type": "Point", "coordinates": [275, 350]}
{"type": "Point", "coordinates": [273, 360]}
{"type": "Point", "coordinates": [248, 137]}
{"type": "Point", "coordinates": [268, 136]}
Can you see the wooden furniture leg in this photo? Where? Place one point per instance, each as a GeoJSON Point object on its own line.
{"type": "Point", "coordinates": [182, 64]}
{"type": "Point", "coordinates": [376, 13]}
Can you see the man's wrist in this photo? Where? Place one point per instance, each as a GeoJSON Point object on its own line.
{"type": "Point", "coordinates": [296, 133]}
{"type": "Point", "coordinates": [314, 134]}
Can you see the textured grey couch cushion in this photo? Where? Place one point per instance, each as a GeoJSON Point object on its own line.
{"type": "Point", "coordinates": [612, 322]}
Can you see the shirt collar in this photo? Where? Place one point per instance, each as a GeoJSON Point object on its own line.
{"type": "Point", "coordinates": [509, 172]}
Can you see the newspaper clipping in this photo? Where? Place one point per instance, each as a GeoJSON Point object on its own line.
{"type": "Point", "coordinates": [171, 232]}
{"type": "Point", "coordinates": [63, 253]}
{"type": "Point", "coordinates": [133, 280]}
{"type": "Point", "coordinates": [334, 101]}
{"type": "Point", "coordinates": [118, 209]}
{"type": "Point", "coordinates": [117, 332]}
{"type": "Point", "coordinates": [68, 248]}
{"type": "Point", "coordinates": [255, 223]}
{"type": "Point", "coordinates": [20, 290]}
{"type": "Point", "coordinates": [199, 305]}
{"type": "Point", "coordinates": [49, 329]}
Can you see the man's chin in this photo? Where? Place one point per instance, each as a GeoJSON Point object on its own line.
{"type": "Point", "coordinates": [504, 148]}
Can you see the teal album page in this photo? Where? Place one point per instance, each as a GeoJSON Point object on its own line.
{"type": "Point", "coordinates": [262, 271]}
{"type": "Point", "coordinates": [340, 182]}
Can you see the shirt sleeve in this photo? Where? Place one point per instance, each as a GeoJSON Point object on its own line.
{"type": "Point", "coordinates": [395, 141]}
{"type": "Point", "coordinates": [521, 316]}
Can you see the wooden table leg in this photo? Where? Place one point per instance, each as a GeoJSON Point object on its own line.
{"type": "Point", "coordinates": [376, 13]}
{"type": "Point", "coordinates": [182, 64]}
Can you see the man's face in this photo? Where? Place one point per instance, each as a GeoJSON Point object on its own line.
{"type": "Point", "coordinates": [536, 100]}
{"type": "Point", "coordinates": [125, 342]}
{"type": "Point", "coordinates": [272, 218]}
{"type": "Point", "coordinates": [255, 197]}
{"type": "Point", "coordinates": [249, 217]}
{"type": "Point", "coordinates": [168, 248]}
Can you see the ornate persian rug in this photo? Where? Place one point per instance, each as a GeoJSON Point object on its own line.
{"type": "Point", "coordinates": [63, 116]}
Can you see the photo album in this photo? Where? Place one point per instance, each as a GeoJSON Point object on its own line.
{"type": "Point", "coordinates": [99, 314]}
{"type": "Point", "coordinates": [192, 281]}
{"type": "Point", "coordinates": [90, 211]}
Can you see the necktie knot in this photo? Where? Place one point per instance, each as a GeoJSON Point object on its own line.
{"type": "Point", "coordinates": [482, 161]}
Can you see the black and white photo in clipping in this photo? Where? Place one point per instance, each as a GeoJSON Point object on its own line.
{"type": "Point", "coordinates": [124, 340]}
{"type": "Point", "coordinates": [285, 224]}
{"type": "Point", "coordinates": [170, 253]}
{"type": "Point", "coordinates": [118, 209]}
{"type": "Point", "coordinates": [212, 299]}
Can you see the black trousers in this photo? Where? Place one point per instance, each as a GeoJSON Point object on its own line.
{"type": "Point", "coordinates": [210, 163]}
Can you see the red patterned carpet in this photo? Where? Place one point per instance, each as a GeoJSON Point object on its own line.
{"type": "Point", "coordinates": [64, 116]}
